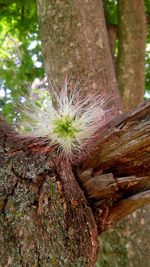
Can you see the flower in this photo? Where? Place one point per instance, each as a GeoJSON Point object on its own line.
{"type": "Point", "coordinates": [65, 119]}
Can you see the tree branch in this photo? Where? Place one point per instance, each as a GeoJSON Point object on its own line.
{"type": "Point", "coordinates": [124, 147]}
{"type": "Point", "coordinates": [125, 207]}
{"type": "Point", "coordinates": [116, 172]}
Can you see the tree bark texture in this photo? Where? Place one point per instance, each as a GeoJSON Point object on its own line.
{"type": "Point", "coordinates": [120, 171]}
{"type": "Point", "coordinates": [134, 252]}
{"type": "Point", "coordinates": [75, 42]}
{"type": "Point", "coordinates": [131, 51]}
{"type": "Point", "coordinates": [51, 213]}
{"type": "Point", "coordinates": [45, 218]}
{"type": "Point", "coordinates": [130, 239]}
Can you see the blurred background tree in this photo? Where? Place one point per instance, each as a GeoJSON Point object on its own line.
{"type": "Point", "coordinates": [21, 66]}
{"type": "Point", "coordinates": [20, 49]}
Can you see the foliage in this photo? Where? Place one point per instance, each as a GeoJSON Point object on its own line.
{"type": "Point", "coordinates": [20, 49]}
{"type": "Point", "coordinates": [20, 55]}
{"type": "Point", "coordinates": [21, 59]}
{"type": "Point", "coordinates": [111, 11]}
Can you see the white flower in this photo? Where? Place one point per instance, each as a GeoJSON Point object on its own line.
{"type": "Point", "coordinates": [65, 119]}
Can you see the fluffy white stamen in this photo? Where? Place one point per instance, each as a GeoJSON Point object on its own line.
{"type": "Point", "coordinates": [66, 120]}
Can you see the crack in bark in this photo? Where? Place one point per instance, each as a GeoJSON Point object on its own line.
{"type": "Point", "coordinates": [7, 198]}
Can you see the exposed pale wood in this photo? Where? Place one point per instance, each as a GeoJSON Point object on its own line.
{"type": "Point", "coordinates": [123, 151]}
{"type": "Point", "coordinates": [125, 148]}
{"type": "Point", "coordinates": [114, 198]}
{"type": "Point", "coordinates": [101, 187]}
{"type": "Point", "coordinates": [107, 187]}
{"type": "Point", "coordinates": [115, 184]}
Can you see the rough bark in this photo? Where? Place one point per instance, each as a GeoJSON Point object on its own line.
{"type": "Point", "coordinates": [130, 135]}
{"type": "Point", "coordinates": [45, 216]}
{"type": "Point", "coordinates": [58, 53]}
{"type": "Point", "coordinates": [133, 253]}
{"type": "Point", "coordinates": [131, 51]}
{"type": "Point", "coordinates": [118, 167]}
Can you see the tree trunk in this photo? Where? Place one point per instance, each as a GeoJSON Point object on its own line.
{"type": "Point", "coordinates": [52, 212]}
{"type": "Point", "coordinates": [127, 244]}
{"type": "Point", "coordinates": [131, 51]}
{"type": "Point", "coordinates": [131, 59]}
{"type": "Point", "coordinates": [45, 217]}
{"type": "Point", "coordinates": [75, 42]}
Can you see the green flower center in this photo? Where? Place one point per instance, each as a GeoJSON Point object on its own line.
{"type": "Point", "coordinates": [66, 127]}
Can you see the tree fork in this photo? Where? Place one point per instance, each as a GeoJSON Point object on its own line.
{"type": "Point", "coordinates": [42, 202]}
{"type": "Point", "coordinates": [47, 217]}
